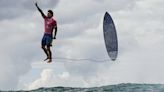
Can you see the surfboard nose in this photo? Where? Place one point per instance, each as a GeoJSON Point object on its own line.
{"type": "Point", "coordinates": [106, 13]}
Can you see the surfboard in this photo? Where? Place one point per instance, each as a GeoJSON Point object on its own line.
{"type": "Point", "coordinates": [110, 36]}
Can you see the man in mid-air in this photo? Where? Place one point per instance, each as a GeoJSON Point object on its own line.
{"type": "Point", "coordinates": [48, 37]}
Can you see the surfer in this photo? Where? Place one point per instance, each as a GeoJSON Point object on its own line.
{"type": "Point", "coordinates": [49, 24]}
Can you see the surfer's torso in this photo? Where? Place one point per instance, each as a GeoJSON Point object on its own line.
{"type": "Point", "coordinates": [49, 23]}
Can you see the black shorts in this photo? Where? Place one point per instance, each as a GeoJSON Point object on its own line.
{"type": "Point", "coordinates": [47, 40]}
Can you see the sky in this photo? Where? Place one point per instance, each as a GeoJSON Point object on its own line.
{"type": "Point", "coordinates": [139, 25]}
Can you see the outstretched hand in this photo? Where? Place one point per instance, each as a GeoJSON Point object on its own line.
{"type": "Point", "coordinates": [36, 4]}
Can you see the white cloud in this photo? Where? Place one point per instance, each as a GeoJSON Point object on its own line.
{"type": "Point", "coordinates": [140, 48]}
{"type": "Point", "coordinates": [139, 25]}
{"type": "Point", "coordinates": [15, 9]}
{"type": "Point", "coordinates": [20, 44]}
{"type": "Point", "coordinates": [82, 11]}
{"type": "Point", "coordinates": [49, 79]}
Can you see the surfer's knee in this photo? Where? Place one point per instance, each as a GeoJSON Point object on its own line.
{"type": "Point", "coordinates": [43, 47]}
{"type": "Point", "coordinates": [48, 48]}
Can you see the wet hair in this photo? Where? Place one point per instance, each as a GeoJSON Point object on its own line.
{"type": "Point", "coordinates": [50, 11]}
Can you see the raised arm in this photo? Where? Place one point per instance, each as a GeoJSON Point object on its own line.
{"type": "Point", "coordinates": [43, 15]}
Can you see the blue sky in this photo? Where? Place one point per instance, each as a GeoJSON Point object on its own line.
{"type": "Point", "coordinates": [139, 25]}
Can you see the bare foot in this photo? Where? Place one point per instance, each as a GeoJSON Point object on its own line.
{"type": "Point", "coordinates": [49, 61]}
{"type": "Point", "coordinates": [46, 59]}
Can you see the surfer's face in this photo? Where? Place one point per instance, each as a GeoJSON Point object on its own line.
{"type": "Point", "coordinates": [49, 15]}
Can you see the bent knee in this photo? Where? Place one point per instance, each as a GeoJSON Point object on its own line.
{"type": "Point", "coordinates": [43, 47]}
{"type": "Point", "coordinates": [48, 48]}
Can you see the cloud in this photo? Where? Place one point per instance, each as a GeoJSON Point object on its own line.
{"type": "Point", "coordinates": [140, 38]}
{"type": "Point", "coordinates": [15, 59]}
{"type": "Point", "coordinates": [10, 73]}
{"type": "Point", "coordinates": [19, 39]}
{"type": "Point", "coordinates": [139, 26]}
{"type": "Point", "coordinates": [48, 78]}
{"type": "Point", "coordinates": [15, 9]}
{"type": "Point", "coordinates": [81, 11]}
{"type": "Point", "coordinates": [140, 47]}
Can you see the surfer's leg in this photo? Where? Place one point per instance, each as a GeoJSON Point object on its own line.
{"type": "Point", "coordinates": [45, 51]}
{"type": "Point", "coordinates": [43, 44]}
{"type": "Point", "coordinates": [50, 54]}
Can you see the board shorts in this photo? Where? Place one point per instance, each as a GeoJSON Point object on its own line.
{"type": "Point", "coordinates": [47, 40]}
